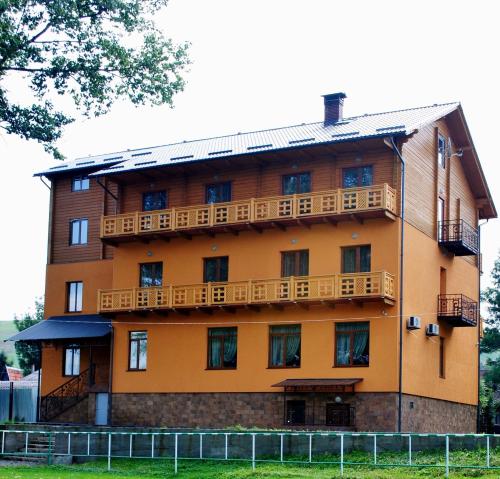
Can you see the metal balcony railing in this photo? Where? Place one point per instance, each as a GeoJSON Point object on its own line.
{"type": "Point", "coordinates": [458, 237]}
{"type": "Point", "coordinates": [258, 211]}
{"type": "Point", "coordinates": [458, 309]}
{"type": "Point", "coordinates": [335, 287]}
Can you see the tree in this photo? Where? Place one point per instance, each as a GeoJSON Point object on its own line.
{"type": "Point", "coordinates": [28, 354]}
{"type": "Point", "coordinates": [4, 360]}
{"type": "Point", "coordinates": [491, 340]}
{"type": "Point", "coordinates": [492, 296]}
{"type": "Point", "coordinates": [91, 51]}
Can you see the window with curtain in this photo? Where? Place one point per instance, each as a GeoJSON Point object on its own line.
{"type": "Point", "coordinates": [215, 270]}
{"type": "Point", "coordinates": [78, 231]}
{"type": "Point", "coordinates": [80, 183]}
{"type": "Point", "coordinates": [150, 274]}
{"type": "Point", "coordinates": [357, 177]}
{"type": "Point", "coordinates": [138, 350]}
{"type": "Point", "coordinates": [218, 192]}
{"type": "Point", "coordinates": [72, 360]}
{"type": "Point", "coordinates": [295, 263]}
{"type": "Point", "coordinates": [352, 344]}
{"type": "Point", "coordinates": [154, 200]}
{"type": "Point", "coordinates": [296, 183]}
{"type": "Point", "coordinates": [284, 350]}
{"type": "Point", "coordinates": [74, 291]}
{"type": "Point", "coordinates": [356, 259]}
{"type": "Point", "coordinates": [222, 348]}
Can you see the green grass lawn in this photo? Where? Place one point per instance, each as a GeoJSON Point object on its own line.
{"type": "Point", "coordinates": [195, 469]}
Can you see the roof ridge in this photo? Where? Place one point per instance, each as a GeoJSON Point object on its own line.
{"type": "Point", "coordinates": [405, 109]}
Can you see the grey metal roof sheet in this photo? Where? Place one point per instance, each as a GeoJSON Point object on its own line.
{"type": "Point", "coordinates": [66, 327]}
{"type": "Point", "coordinates": [400, 122]}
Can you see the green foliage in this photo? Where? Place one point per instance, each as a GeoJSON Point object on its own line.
{"type": "Point", "coordinates": [491, 340]}
{"type": "Point", "coordinates": [5, 360]}
{"type": "Point", "coordinates": [492, 296]}
{"type": "Point", "coordinates": [91, 51]}
{"type": "Point", "coordinates": [28, 354]}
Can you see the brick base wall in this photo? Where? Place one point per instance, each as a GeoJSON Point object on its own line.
{"type": "Point", "coordinates": [374, 411]}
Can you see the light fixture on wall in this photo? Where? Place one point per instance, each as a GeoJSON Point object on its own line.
{"type": "Point", "coordinates": [354, 235]}
{"type": "Point", "coordinates": [214, 247]}
{"type": "Point", "coordinates": [149, 253]}
{"type": "Point", "coordinates": [294, 241]}
{"type": "Point", "coordinates": [338, 399]}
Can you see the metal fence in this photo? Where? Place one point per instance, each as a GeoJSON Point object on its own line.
{"type": "Point", "coordinates": [18, 401]}
{"type": "Point", "coordinates": [343, 450]}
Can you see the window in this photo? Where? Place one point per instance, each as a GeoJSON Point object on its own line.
{"type": "Point", "coordinates": [284, 351]}
{"type": "Point", "coordinates": [154, 200]}
{"type": "Point", "coordinates": [215, 270]}
{"type": "Point", "coordinates": [78, 231]}
{"type": "Point", "coordinates": [441, 210]}
{"type": "Point", "coordinates": [295, 263]}
{"type": "Point", "coordinates": [297, 183]}
{"type": "Point", "coordinates": [150, 274]}
{"type": "Point", "coordinates": [356, 177]}
{"type": "Point", "coordinates": [138, 350]}
{"type": "Point", "coordinates": [80, 183]}
{"type": "Point", "coordinates": [222, 348]}
{"type": "Point", "coordinates": [356, 259]}
{"type": "Point", "coordinates": [218, 192]}
{"type": "Point", "coordinates": [71, 361]}
{"type": "Point", "coordinates": [441, 153]}
{"type": "Point", "coordinates": [296, 412]}
{"type": "Point", "coordinates": [441, 358]}
{"type": "Point", "coordinates": [74, 296]}
{"type": "Point", "coordinates": [352, 344]}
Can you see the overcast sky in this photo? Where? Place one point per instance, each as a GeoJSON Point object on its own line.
{"type": "Point", "coordinates": [264, 63]}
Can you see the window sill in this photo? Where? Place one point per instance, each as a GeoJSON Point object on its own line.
{"type": "Point", "coordinates": [136, 370]}
{"type": "Point", "coordinates": [283, 367]}
{"type": "Point", "coordinates": [351, 366]}
{"type": "Point", "coordinates": [221, 369]}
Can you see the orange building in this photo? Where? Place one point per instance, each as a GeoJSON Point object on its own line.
{"type": "Point", "coordinates": [320, 275]}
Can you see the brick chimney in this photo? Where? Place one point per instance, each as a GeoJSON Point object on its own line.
{"type": "Point", "coordinates": [334, 105]}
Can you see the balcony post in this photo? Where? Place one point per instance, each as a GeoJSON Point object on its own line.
{"type": "Point", "coordinates": [173, 220]}
{"type": "Point", "coordinates": [249, 291]}
{"type": "Point", "coordinates": [294, 206]}
{"type": "Point", "coordinates": [211, 215]}
{"type": "Point", "coordinates": [291, 289]}
{"type": "Point", "coordinates": [209, 294]}
{"type": "Point", "coordinates": [136, 222]}
{"type": "Point", "coordinates": [252, 210]}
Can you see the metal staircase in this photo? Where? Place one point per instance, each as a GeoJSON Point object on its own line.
{"type": "Point", "coordinates": [67, 395]}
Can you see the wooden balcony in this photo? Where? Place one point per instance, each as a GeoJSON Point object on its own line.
{"type": "Point", "coordinates": [255, 213]}
{"type": "Point", "coordinates": [458, 237]}
{"type": "Point", "coordinates": [358, 287]}
{"type": "Point", "coordinates": [457, 310]}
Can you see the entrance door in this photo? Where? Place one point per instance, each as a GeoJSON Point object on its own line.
{"type": "Point", "coordinates": [337, 415]}
{"type": "Point", "coordinates": [101, 409]}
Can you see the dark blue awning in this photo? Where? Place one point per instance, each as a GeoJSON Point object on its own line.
{"type": "Point", "coordinates": [66, 327]}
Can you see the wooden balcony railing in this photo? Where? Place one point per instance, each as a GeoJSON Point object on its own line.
{"type": "Point", "coordinates": [335, 287]}
{"type": "Point", "coordinates": [367, 201]}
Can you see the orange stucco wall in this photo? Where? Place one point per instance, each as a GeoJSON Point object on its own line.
{"type": "Point", "coordinates": [421, 354]}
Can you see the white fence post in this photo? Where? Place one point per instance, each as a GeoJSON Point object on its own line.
{"type": "Point", "coordinates": [341, 454]}
{"type": "Point", "coordinates": [488, 451]}
{"type": "Point", "coordinates": [201, 445]}
{"type": "Point", "coordinates": [225, 445]}
{"type": "Point", "coordinates": [409, 450]}
{"type": "Point", "coordinates": [3, 442]}
{"type": "Point", "coordinates": [281, 447]}
{"type": "Point", "coordinates": [69, 443]}
{"type": "Point", "coordinates": [109, 451]}
{"type": "Point", "coordinates": [152, 445]}
{"type": "Point", "coordinates": [375, 449]}
{"type": "Point", "coordinates": [310, 447]}
{"type": "Point", "coordinates": [175, 453]}
{"type": "Point", "coordinates": [26, 445]}
{"type": "Point", "coordinates": [130, 446]}
{"type": "Point", "coordinates": [253, 451]}
{"type": "Point", "coordinates": [447, 465]}
{"type": "Point", "coordinates": [88, 444]}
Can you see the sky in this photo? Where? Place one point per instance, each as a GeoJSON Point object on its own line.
{"type": "Point", "coordinates": [262, 64]}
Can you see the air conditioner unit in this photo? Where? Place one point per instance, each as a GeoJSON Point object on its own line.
{"type": "Point", "coordinates": [432, 330]}
{"type": "Point", "coordinates": [413, 323]}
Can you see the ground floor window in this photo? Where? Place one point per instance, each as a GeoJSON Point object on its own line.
{"type": "Point", "coordinates": [338, 415]}
{"type": "Point", "coordinates": [222, 348]}
{"type": "Point", "coordinates": [138, 349]}
{"type": "Point", "coordinates": [71, 361]}
{"type": "Point", "coordinates": [295, 412]}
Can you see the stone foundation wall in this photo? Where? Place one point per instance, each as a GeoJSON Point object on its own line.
{"type": "Point", "coordinates": [374, 411]}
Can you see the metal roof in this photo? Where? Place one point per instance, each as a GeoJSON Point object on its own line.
{"type": "Point", "coordinates": [400, 122]}
{"type": "Point", "coordinates": [66, 327]}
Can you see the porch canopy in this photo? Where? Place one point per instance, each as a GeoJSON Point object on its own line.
{"type": "Point", "coordinates": [318, 385]}
{"type": "Point", "coordinates": [66, 327]}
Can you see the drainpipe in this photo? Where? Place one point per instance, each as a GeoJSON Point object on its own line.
{"type": "Point", "coordinates": [110, 380]}
{"type": "Point", "coordinates": [478, 411]}
{"type": "Point", "coordinates": [401, 289]}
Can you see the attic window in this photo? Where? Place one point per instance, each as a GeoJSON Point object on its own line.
{"type": "Point", "coordinates": [145, 163]}
{"type": "Point", "coordinates": [142, 154]}
{"type": "Point", "coordinates": [293, 142]}
{"type": "Point", "coordinates": [269, 145]}
{"type": "Point", "coordinates": [113, 158]}
{"type": "Point", "coordinates": [58, 167]}
{"type": "Point", "coordinates": [85, 163]}
{"type": "Point", "coordinates": [222, 152]}
{"type": "Point", "coordinates": [441, 153]}
{"type": "Point", "coordinates": [177, 158]}
{"type": "Point", "coordinates": [341, 135]}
